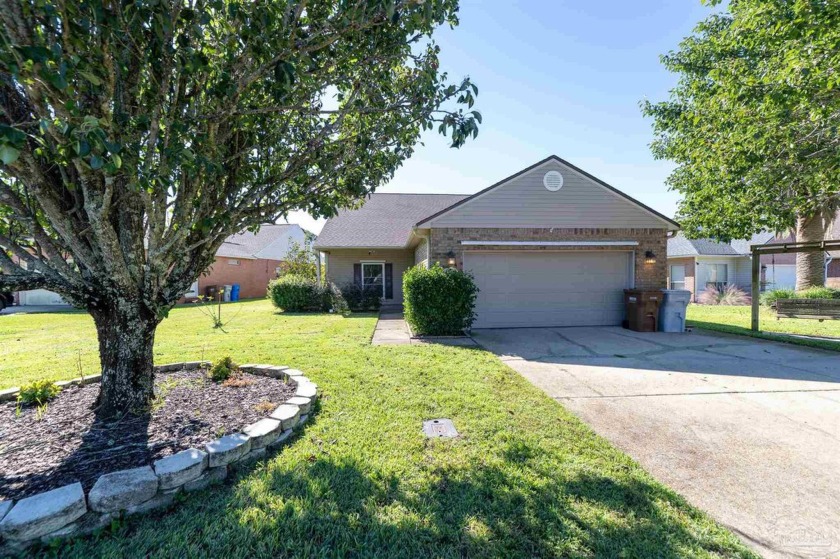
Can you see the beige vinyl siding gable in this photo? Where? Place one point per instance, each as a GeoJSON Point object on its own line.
{"type": "Point", "coordinates": [525, 202]}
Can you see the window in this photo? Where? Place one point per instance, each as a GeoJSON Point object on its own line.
{"type": "Point", "coordinates": [233, 262]}
{"type": "Point", "coordinates": [678, 277]}
{"type": "Point", "coordinates": [716, 275]}
{"type": "Point", "coordinates": [373, 275]}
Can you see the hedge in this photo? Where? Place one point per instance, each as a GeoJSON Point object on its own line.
{"type": "Point", "coordinates": [294, 293]}
{"type": "Point", "coordinates": [438, 301]}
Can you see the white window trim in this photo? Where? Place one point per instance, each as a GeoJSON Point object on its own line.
{"type": "Point", "coordinates": [553, 243]}
{"type": "Point", "coordinates": [378, 263]}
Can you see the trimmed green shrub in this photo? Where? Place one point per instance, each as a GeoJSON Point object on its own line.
{"type": "Point", "coordinates": [293, 293]}
{"type": "Point", "coordinates": [438, 301]}
{"type": "Point", "coordinates": [222, 369]}
{"type": "Point", "coordinates": [361, 299]}
{"type": "Point", "coordinates": [38, 392]}
{"type": "Point", "coordinates": [819, 293]}
{"type": "Point", "coordinates": [770, 297]}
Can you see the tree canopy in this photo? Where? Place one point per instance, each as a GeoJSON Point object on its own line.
{"type": "Point", "coordinates": [135, 136]}
{"type": "Point", "coordinates": [753, 121]}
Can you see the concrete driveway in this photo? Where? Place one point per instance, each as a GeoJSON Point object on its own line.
{"type": "Point", "coordinates": [748, 430]}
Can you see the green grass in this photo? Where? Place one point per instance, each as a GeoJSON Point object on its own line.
{"type": "Point", "coordinates": [525, 478]}
{"type": "Point", "coordinates": [736, 320]}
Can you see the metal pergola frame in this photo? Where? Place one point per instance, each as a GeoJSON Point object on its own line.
{"type": "Point", "coordinates": [779, 248]}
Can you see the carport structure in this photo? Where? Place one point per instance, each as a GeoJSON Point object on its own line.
{"type": "Point", "coordinates": [779, 248]}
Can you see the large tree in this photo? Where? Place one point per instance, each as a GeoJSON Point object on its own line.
{"type": "Point", "coordinates": [753, 123]}
{"type": "Point", "coordinates": [135, 135]}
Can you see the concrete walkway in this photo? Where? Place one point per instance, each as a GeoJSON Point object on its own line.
{"type": "Point", "coordinates": [746, 429]}
{"type": "Point", "coordinates": [391, 330]}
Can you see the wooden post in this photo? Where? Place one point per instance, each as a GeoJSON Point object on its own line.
{"type": "Point", "coordinates": [756, 289]}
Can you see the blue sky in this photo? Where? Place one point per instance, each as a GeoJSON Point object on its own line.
{"type": "Point", "coordinates": [555, 77]}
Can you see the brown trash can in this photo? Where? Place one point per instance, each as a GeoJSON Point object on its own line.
{"type": "Point", "coordinates": [642, 309]}
{"type": "Point", "coordinates": [211, 291]}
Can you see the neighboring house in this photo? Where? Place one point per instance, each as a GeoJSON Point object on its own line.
{"type": "Point", "coordinates": [250, 259]}
{"type": "Point", "coordinates": [695, 264]}
{"type": "Point", "coordinates": [549, 246]}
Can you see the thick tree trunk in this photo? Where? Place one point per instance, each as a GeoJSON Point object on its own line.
{"type": "Point", "coordinates": [810, 266]}
{"type": "Point", "coordinates": [126, 339]}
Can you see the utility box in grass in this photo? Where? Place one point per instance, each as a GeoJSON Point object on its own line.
{"type": "Point", "coordinates": [672, 310]}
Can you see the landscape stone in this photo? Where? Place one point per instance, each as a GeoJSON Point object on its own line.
{"type": "Point", "coordinates": [180, 468]}
{"type": "Point", "coordinates": [303, 419]}
{"type": "Point", "coordinates": [87, 524]}
{"type": "Point", "coordinates": [251, 457]}
{"type": "Point", "coordinates": [9, 394]}
{"type": "Point", "coordinates": [5, 507]}
{"type": "Point", "coordinates": [287, 414]}
{"type": "Point", "coordinates": [211, 476]}
{"type": "Point", "coordinates": [228, 449]}
{"type": "Point", "coordinates": [305, 404]}
{"type": "Point", "coordinates": [46, 512]}
{"type": "Point", "coordinates": [120, 490]}
{"type": "Point", "coordinates": [281, 439]}
{"type": "Point", "coordinates": [263, 432]}
{"type": "Point", "coordinates": [90, 379]}
{"type": "Point", "coordinates": [293, 372]}
{"type": "Point", "coordinates": [275, 371]}
{"type": "Point", "coordinates": [162, 499]}
{"type": "Point", "coordinates": [306, 389]}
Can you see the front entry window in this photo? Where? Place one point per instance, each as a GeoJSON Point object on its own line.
{"type": "Point", "coordinates": [373, 275]}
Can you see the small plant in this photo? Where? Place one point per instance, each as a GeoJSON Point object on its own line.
{"type": "Point", "coordinates": [769, 298]}
{"type": "Point", "coordinates": [728, 296]}
{"type": "Point", "coordinates": [212, 308]}
{"type": "Point", "coordinates": [236, 380]}
{"type": "Point", "coordinates": [222, 369]}
{"type": "Point", "coordinates": [38, 392]}
{"type": "Point", "coordinates": [265, 406]}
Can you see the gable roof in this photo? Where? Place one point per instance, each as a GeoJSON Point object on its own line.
{"type": "Point", "coordinates": [383, 221]}
{"type": "Point", "coordinates": [668, 221]}
{"type": "Point", "coordinates": [250, 245]}
{"type": "Point", "coordinates": [679, 245]}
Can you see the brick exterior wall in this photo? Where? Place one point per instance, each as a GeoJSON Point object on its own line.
{"type": "Point", "coordinates": [251, 275]}
{"type": "Point", "coordinates": [648, 276]}
{"type": "Point", "coordinates": [690, 274]}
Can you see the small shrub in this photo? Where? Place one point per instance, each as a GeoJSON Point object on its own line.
{"type": "Point", "coordinates": [38, 392]}
{"type": "Point", "coordinates": [360, 299]}
{"type": "Point", "coordinates": [337, 302]}
{"type": "Point", "coordinates": [438, 301]}
{"type": "Point", "coordinates": [819, 293]}
{"type": "Point", "coordinates": [265, 406]}
{"type": "Point", "coordinates": [770, 297]}
{"type": "Point", "coordinates": [728, 296]}
{"type": "Point", "coordinates": [294, 293]}
{"type": "Point", "coordinates": [222, 369]}
{"type": "Point", "coordinates": [236, 380]}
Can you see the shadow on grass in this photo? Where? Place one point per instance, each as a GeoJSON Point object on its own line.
{"type": "Point", "coordinates": [510, 506]}
{"type": "Point", "coordinates": [795, 339]}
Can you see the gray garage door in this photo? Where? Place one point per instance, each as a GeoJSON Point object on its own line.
{"type": "Point", "coordinates": [520, 289]}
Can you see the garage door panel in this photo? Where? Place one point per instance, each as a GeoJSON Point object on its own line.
{"type": "Point", "coordinates": [549, 289]}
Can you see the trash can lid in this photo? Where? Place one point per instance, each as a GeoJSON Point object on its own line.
{"type": "Point", "coordinates": [677, 294]}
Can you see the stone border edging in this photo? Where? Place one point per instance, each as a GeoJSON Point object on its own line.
{"type": "Point", "coordinates": [67, 511]}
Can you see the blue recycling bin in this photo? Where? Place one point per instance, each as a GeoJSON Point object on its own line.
{"type": "Point", "coordinates": [234, 292]}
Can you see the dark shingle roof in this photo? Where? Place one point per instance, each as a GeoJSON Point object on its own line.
{"type": "Point", "coordinates": [384, 221]}
{"type": "Point", "coordinates": [679, 245]}
{"type": "Point", "coordinates": [248, 245]}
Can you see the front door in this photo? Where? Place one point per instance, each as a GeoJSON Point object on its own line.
{"type": "Point", "coordinates": [373, 275]}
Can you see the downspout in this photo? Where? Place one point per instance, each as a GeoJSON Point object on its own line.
{"type": "Point", "coordinates": [828, 260]}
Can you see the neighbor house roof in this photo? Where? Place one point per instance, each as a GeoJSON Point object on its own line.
{"type": "Point", "coordinates": [257, 245]}
{"type": "Point", "coordinates": [679, 245]}
{"type": "Point", "coordinates": [383, 221]}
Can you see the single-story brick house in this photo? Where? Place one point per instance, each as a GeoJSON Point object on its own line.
{"type": "Point", "coordinates": [550, 245]}
{"type": "Point", "coordinates": [250, 259]}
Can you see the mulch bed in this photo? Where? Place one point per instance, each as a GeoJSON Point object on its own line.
{"type": "Point", "coordinates": [67, 444]}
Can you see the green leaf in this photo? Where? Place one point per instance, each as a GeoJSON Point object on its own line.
{"type": "Point", "coordinates": [90, 77]}
{"type": "Point", "coordinates": [96, 162]}
{"type": "Point", "coordinates": [8, 154]}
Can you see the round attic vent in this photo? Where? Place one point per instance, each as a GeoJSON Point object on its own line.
{"type": "Point", "coordinates": [553, 181]}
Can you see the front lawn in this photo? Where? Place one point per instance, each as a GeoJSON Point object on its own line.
{"type": "Point", "coordinates": [736, 320]}
{"type": "Point", "coordinates": [525, 478]}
